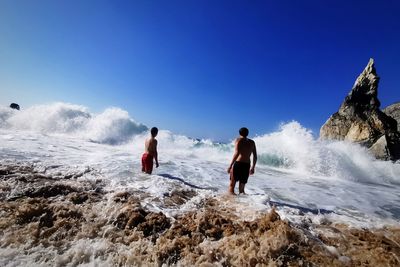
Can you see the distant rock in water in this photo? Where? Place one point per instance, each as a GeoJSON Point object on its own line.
{"type": "Point", "coordinates": [14, 106]}
{"type": "Point", "coordinates": [360, 120]}
{"type": "Point", "coordinates": [394, 112]}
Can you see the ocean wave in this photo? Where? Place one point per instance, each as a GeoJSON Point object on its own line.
{"type": "Point", "coordinates": [113, 126]}
{"type": "Point", "coordinates": [292, 148]}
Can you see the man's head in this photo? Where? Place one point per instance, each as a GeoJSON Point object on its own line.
{"type": "Point", "coordinates": [244, 131]}
{"type": "Point", "coordinates": [154, 131]}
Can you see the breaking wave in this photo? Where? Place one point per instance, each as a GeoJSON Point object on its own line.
{"type": "Point", "coordinates": [292, 148]}
{"type": "Point", "coordinates": [113, 126]}
{"type": "Point", "coordinates": [295, 149]}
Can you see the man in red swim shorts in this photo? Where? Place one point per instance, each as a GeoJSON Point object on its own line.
{"type": "Point", "coordinates": [150, 152]}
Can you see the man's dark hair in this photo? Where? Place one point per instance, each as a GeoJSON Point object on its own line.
{"type": "Point", "coordinates": [244, 131]}
{"type": "Point", "coordinates": [154, 131]}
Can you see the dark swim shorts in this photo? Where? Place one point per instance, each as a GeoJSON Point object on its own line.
{"type": "Point", "coordinates": [241, 171]}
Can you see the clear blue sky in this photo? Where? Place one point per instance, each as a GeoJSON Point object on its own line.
{"type": "Point", "coordinates": [198, 67]}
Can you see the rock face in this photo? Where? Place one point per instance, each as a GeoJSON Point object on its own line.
{"type": "Point", "coordinates": [394, 112]}
{"type": "Point", "coordinates": [360, 120]}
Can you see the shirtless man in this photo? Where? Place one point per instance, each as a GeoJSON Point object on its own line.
{"type": "Point", "coordinates": [239, 169]}
{"type": "Point", "coordinates": [150, 152]}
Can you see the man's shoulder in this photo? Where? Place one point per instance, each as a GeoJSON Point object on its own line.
{"type": "Point", "coordinates": [244, 141]}
{"type": "Point", "coordinates": [153, 141]}
{"type": "Point", "coordinates": [250, 142]}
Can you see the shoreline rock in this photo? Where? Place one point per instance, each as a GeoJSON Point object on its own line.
{"type": "Point", "coordinates": [131, 235]}
{"type": "Point", "coordinates": [394, 112]}
{"type": "Point", "coordinates": [360, 120]}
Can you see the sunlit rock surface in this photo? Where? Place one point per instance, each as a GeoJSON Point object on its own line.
{"type": "Point", "coordinates": [360, 120]}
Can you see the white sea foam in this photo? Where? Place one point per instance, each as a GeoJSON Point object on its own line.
{"type": "Point", "coordinates": [295, 171]}
{"type": "Point", "coordinates": [113, 126]}
{"type": "Point", "coordinates": [305, 178]}
{"type": "Point", "coordinates": [294, 149]}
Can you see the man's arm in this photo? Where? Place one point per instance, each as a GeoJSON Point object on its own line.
{"type": "Point", "coordinates": [156, 153]}
{"type": "Point", "coordinates": [254, 158]}
{"type": "Point", "coordinates": [235, 156]}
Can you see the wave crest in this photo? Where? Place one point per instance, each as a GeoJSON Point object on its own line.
{"type": "Point", "coordinates": [295, 149]}
{"type": "Point", "coordinates": [113, 126]}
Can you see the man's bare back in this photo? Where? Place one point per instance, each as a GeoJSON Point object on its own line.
{"type": "Point", "coordinates": [150, 146]}
{"type": "Point", "coordinates": [245, 148]}
{"type": "Point", "coordinates": [239, 169]}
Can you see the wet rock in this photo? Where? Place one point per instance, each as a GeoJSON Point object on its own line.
{"type": "Point", "coordinates": [149, 223]}
{"type": "Point", "coordinates": [360, 120]}
{"type": "Point", "coordinates": [154, 223]}
{"type": "Point", "coordinates": [46, 220]}
{"type": "Point", "coordinates": [121, 197]}
{"type": "Point", "coordinates": [67, 211]}
{"type": "Point", "coordinates": [29, 212]}
{"type": "Point", "coordinates": [132, 197]}
{"type": "Point", "coordinates": [130, 217]}
{"type": "Point", "coordinates": [171, 252]}
{"type": "Point", "coordinates": [213, 234]}
{"type": "Point", "coordinates": [212, 225]}
{"type": "Point", "coordinates": [4, 172]}
{"type": "Point", "coordinates": [178, 197]}
{"type": "Point", "coordinates": [23, 180]}
{"type": "Point", "coordinates": [183, 226]}
{"type": "Point", "coordinates": [50, 191]}
{"type": "Point", "coordinates": [79, 198]}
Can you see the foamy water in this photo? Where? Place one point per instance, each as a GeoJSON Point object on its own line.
{"type": "Point", "coordinates": [297, 173]}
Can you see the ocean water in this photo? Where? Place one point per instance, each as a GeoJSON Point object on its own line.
{"type": "Point", "coordinates": [297, 173]}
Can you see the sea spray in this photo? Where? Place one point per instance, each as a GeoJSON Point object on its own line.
{"type": "Point", "coordinates": [53, 118]}
{"type": "Point", "coordinates": [294, 149]}
{"type": "Point", "coordinates": [71, 180]}
{"type": "Point", "coordinates": [113, 126]}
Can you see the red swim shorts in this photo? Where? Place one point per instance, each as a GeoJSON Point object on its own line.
{"type": "Point", "coordinates": [147, 163]}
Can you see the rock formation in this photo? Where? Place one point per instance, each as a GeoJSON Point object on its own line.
{"type": "Point", "coordinates": [69, 219]}
{"type": "Point", "coordinates": [14, 106]}
{"type": "Point", "coordinates": [394, 112]}
{"type": "Point", "coordinates": [360, 120]}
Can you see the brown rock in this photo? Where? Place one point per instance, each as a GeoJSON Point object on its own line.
{"type": "Point", "coordinates": [154, 223]}
{"type": "Point", "coordinates": [360, 120]}
{"type": "Point", "coordinates": [394, 112]}
{"type": "Point", "coordinates": [129, 217]}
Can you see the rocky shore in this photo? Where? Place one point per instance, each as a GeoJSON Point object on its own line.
{"type": "Point", "coordinates": [359, 119]}
{"type": "Point", "coordinates": [58, 219]}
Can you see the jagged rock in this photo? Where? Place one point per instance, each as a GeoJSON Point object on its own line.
{"type": "Point", "coordinates": [360, 120]}
{"type": "Point", "coordinates": [394, 112]}
{"type": "Point", "coordinates": [14, 106]}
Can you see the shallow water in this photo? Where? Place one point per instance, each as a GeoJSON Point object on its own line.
{"type": "Point", "coordinates": [363, 202]}
{"type": "Point", "coordinates": [304, 178]}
